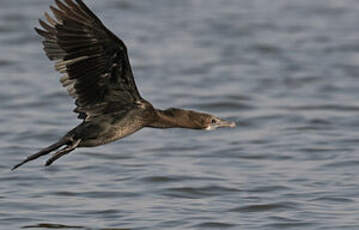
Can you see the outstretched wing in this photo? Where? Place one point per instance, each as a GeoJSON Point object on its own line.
{"type": "Point", "coordinates": [97, 71]}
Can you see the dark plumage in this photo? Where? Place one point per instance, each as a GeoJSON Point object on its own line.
{"type": "Point", "coordinates": [98, 75]}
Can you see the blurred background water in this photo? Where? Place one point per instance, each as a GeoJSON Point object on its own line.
{"type": "Point", "coordinates": [286, 71]}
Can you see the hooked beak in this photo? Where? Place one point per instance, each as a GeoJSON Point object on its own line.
{"type": "Point", "coordinates": [222, 123]}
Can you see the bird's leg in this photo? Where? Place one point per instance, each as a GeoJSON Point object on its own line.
{"type": "Point", "coordinates": [63, 152]}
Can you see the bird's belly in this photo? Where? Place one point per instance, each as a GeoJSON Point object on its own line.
{"type": "Point", "coordinates": [108, 136]}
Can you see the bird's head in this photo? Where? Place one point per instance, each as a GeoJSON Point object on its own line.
{"type": "Point", "coordinates": [208, 121]}
{"type": "Point", "coordinates": [181, 118]}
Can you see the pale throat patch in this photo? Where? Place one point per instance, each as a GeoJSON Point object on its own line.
{"type": "Point", "coordinates": [210, 128]}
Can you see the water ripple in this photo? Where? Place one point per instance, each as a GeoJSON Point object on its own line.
{"type": "Point", "coordinates": [197, 193]}
{"type": "Point", "coordinates": [268, 207]}
{"type": "Point", "coordinates": [328, 107]}
{"type": "Point", "coordinates": [214, 225]}
{"type": "Point", "coordinates": [52, 226]}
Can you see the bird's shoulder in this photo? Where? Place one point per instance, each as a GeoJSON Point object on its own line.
{"type": "Point", "coordinates": [117, 112]}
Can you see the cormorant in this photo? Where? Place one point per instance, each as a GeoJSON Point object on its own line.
{"type": "Point", "coordinates": [97, 74]}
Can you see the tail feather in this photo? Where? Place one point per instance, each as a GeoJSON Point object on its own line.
{"type": "Point", "coordinates": [43, 152]}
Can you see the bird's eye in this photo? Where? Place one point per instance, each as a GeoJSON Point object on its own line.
{"type": "Point", "coordinates": [213, 121]}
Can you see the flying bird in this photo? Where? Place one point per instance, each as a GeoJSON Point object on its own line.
{"type": "Point", "coordinates": [98, 75]}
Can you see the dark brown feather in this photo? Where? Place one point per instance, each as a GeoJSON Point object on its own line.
{"type": "Point", "coordinates": [50, 19]}
{"type": "Point", "coordinates": [76, 9]}
{"type": "Point", "coordinates": [95, 61]}
{"type": "Point", "coordinates": [68, 11]}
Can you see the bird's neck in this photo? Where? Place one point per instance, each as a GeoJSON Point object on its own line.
{"type": "Point", "coordinates": [172, 118]}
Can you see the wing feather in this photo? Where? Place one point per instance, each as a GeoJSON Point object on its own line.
{"type": "Point", "coordinates": [95, 64]}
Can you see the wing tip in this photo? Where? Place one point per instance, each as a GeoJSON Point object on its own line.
{"type": "Point", "coordinates": [50, 19]}
{"type": "Point", "coordinates": [40, 32]}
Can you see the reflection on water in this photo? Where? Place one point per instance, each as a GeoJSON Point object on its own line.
{"type": "Point", "coordinates": [286, 71]}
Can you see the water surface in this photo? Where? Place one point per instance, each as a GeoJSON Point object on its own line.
{"type": "Point", "coordinates": [285, 71]}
